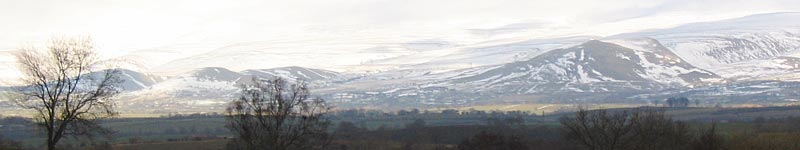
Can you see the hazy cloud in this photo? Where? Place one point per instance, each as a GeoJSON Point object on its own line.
{"type": "Point", "coordinates": [124, 26]}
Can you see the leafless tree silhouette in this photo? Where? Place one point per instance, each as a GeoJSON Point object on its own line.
{"type": "Point", "coordinates": [626, 130]}
{"type": "Point", "coordinates": [61, 85]}
{"type": "Point", "coordinates": [272, 114]}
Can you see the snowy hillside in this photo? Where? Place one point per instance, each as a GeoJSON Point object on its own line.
{"type": "Point", "coordinates": [199, 85]}
{"type": "Point", "coordinates": [480, 54]}
{"type": "Point", "coordinates": [756, 56]}
{"type": "Point", "coordinates": [594, 66]}
{"type": "Point", "coordinates": [211, 86]}
{"type": "Point", "coordinates": [132, 80]}
{"type": "Point", "coordinates": [294, 73]}
{"type": "Point", "coordinates": [433, 64]}
{"type": "Point", "coordinates": [718, 45]}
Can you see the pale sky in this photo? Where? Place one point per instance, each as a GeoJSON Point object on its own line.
{"type": "Point", "coordinates": [123, 27]}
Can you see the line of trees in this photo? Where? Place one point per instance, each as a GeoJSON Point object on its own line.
{"type": "Point", "coordinates": [648, 129]}
{"type": "Point", "coordinates": [362, 114]}
{"type": "Point", "coordinates": [678, 102]}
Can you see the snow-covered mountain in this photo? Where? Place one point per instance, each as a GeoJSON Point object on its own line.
{"type": "Point", "coordinates": [132, 80]}
{"type": "Point", "coordinates": [213, 74]}
{"type": "Point", "coordinates": [723, 46]}
{"type": "Point", "coordinates": [206, 82]}
{"type": "Point", "coordinates": [481, 54]}
{"type": "Point", "coordinates": [705, 55]}
{"type": "Point", "coordinates": [294, 73]}
{"type": "Point", "coordinates": [456, 59]}
{"type": "Point", "coordinates": [210, 87]}
{"type": "Point", "coordinates": [756, 56]}
{"type": "Point", "coordinates": [625, 66]}
{"type": "Point", "coordinates": [594, 66]}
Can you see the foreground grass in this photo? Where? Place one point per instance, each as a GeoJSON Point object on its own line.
{"type": "Point", "coordinates": [187, 145]}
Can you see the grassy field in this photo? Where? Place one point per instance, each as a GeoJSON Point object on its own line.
{"type": "Point", "coordinates": [154, 132]}
{"type": "Point", "coordinates": [160, 125]}
{"type": "Point", "coordinates": [544, 108]}
{"type": "Point", "coordinates": [188, 145]}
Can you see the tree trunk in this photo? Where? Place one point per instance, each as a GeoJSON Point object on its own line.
{"type": "Point", "coordinates": [50, 144]}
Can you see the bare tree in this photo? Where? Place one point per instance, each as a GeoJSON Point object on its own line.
{"type": "Point", "coordinates": [61, 85]}
{"type": "Point", "coordinates": [598, 130]}
{"type": "Point", "coordinates": [272, 114]}
{"type": "Point", "coordinates": [654, 130]}
{"type": "Point", "coordinates": [623, 130]}
{"type": "Point", "coordinates": [709, 139]}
